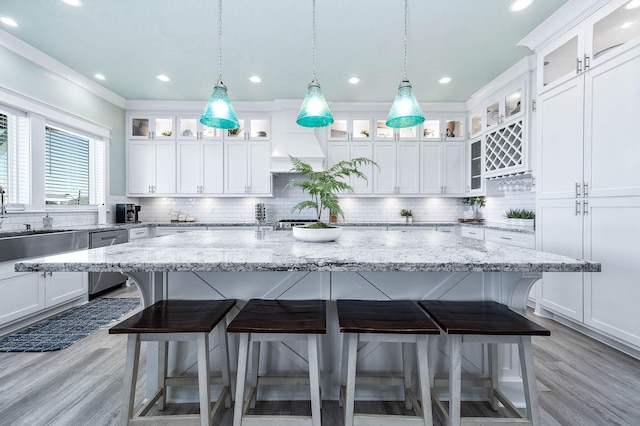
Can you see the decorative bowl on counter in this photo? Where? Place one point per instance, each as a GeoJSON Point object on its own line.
{"type": "Point", "coordinates": [316, 235]}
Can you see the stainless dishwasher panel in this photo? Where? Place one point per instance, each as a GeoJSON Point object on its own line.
{"type": "Point", "coordinates": [101, 281]}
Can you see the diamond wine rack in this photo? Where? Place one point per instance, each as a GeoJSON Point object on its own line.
{"type": "Point", "coordinates": [504, 149]}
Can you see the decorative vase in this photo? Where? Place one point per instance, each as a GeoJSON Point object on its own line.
{"type": "Point", "coordinates": [476, 211]}
{"type": "Point", "coordinates": [408, 219]}
{"type": "Point", "coordinates": [316, 235]}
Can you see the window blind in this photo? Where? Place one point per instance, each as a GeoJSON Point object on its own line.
{"type": "Point", "coordinates": [15, 175]}
{"type": "Point", "coordinates": [67, 167]}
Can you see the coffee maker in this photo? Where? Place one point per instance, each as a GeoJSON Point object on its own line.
{"type": "Point", "coordinates": [127, 213]}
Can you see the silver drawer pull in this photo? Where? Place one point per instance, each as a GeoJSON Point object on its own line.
{"type": "Point", "coordinates": [505, 238]}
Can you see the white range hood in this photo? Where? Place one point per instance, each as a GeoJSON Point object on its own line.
{"type": "Point", "coordinates": [290, 139]}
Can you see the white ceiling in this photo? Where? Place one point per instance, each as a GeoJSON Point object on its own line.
{"type": "Point", "coordinates": [131, 41]}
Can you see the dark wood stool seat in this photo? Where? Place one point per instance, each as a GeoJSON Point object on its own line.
{"type": "Point", "coordinates": [390, 321]}
{"type": "Point", "coordinates": [484, 317]}
{"type": "Point", "coordinates": [490, 323]}
{"type": "Point", "coordinates": [265, 321]}
{"type": "Point", "coordinates": [176, 320]}
{"type": "Point", "coordinates": [176, 316]}
{"type": "Point", "coordinates": [281, 316]}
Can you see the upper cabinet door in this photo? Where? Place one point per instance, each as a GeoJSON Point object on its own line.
{"type": "Point", "coordinates": [610, 31]}
{"type": "Point", "coordinates": [151, 127]}
{"type": "Point", "coordinates": [560, 62]}
{"type": "Point", "coordinates": [384, 178]}
{"type": "Point", "coordinates": [350, 129]}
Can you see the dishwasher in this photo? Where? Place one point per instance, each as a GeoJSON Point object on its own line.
{"type": "Point", "coordinates": [102, 281]}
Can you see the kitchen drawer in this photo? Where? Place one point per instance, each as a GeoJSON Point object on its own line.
{"type": "Point", "coordinates": [512, 238]}
{"type": "Point", "coordinates": [412, 228]}
{"type": "Point", "coordinates": [171, 230]}
{"type": "Point", "coordinates": [138, 233]}
{"type": "Point", "coordinates": [472, 232]}
{"type": "Point", "coordinates": [448, 229]}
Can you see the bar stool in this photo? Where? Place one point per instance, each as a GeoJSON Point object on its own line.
{"type": "Point", "coordinates": [490, 323]}
{"type": "Point", "coordinates": [270, 321]}
{"type": "Point", "coordinates": [397, 321]}
{"type": "Point", "coordinates": [176, 320]}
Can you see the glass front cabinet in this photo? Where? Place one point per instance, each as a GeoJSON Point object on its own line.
{"type": "Point", "coordinates": [476, 182]}
{"type": "Point", "coordinates": [151, 127]}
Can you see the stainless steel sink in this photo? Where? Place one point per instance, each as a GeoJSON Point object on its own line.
{"type": "Point", "coordinates": [41, 243]}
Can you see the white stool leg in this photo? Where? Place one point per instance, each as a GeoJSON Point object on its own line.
{"type": "Point", "coordinates": [406, 369]}
{"type": "Point", "coordinates": [352, 357]}
{"type": "Point", "coordinates": [243, 355]}
{"type": "Point", "coordinates": [422, 354]}
{"type": "Point", "coordinates": [433, 358]}
{"type": "Point", "coordinates": [343, 368]}
{"type": "Point", "coordinates": [255, 369]}
{"type": "Point", "coordinates": [203, 379]}
{"type": "Point", "coordinates": [529, 379]}
{"type": "Point", "coordinates": [162, 373]}
{"type": "Point", "coordinates": [492, 353]}
{"type": "Point", "coordinates": [130, 377]}
{"type": "Point", "coordinates": [455, 371]}
{"type": "Point", "coordinates": [224, 361]}
{"type": "Point", "coordinates": [314, 378]}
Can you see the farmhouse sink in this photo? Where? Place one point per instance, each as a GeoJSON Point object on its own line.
{"type": "Point", "coordinates": [40, 243]}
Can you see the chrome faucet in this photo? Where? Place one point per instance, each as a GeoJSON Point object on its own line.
{"type": "Point", "coordinates": [3, 209]}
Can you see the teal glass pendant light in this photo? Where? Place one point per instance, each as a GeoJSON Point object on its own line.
{"type": "Point", "coordinates": [219, 113]}
{"type": "Point", "coordinates": [314, 111]}
{"type": "Point", "coordinates": [405, 111]}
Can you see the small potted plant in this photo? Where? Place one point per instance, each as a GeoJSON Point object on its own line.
{"type": "Point", "coordinates": [323, 188]}
{"type": "Point", "coordinates": [408, 215]}
{"type": "Point", "coordinates": [522, 217]}
{"type": "Point", "coordinates": [474, 204]}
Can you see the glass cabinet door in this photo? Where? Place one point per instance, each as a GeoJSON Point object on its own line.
{"type": "Point", "coordinates": [163, 128]}
{"type": "Point", "coordinates": [513, 103]}
{"type": "Point", "coordinates": [259, 128]}
{"type": "Point", "coordinates": [476, 165]}
{"type": "Point", "coordinates": [187, 128]}
{"type": "Point", "coordinates": [454, 129]}
{"type": "Point", "coordinates": [431, 130]}
{"type": "Point", "coordinates": [560, 62]}
{"type": "Point", "coordinates": [615, 29]}
{"type": "Point", "coordinates": [382, 131]}
{"type": "Point", "coordinates": [407, 133]}
{"type": "Point", "coordinates": [493, 114]}
{"type": "Point", "coordinates": [237, 133]}
{"type": "Point", "coordinates": [476, 124]}
{"type": "Point", "coordinates": [361, 129]}
{"type": "Point", "coordinates": [338, 130]}
{"type": "Point", "coordinates": [140, 128]}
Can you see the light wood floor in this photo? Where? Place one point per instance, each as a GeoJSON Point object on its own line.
{"type": "Point", "coordinates": [581, 382]}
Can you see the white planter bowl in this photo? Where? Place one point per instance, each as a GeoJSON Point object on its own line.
{"type": "Point", "coordinates": [320, 235]}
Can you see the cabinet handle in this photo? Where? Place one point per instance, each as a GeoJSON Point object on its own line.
{"type": "Point", "coordinates": [505, 238]}
{"type": "Point", "coordinates": [444, 189]}
{"type": "Point", "coordinates": [587, 61]}
{"type": "Point", "coordinates": [585, 210]}
{"type": "Point", "coordinates": [472, 233]}
{"type": "Point", "coordinates": [44, 275]}
{"type": "Point", "coordinates": [578, 66]}
{"type": "Point", "coordinates": [577, 189]}
{"type": "Point", "coordinates": [586, 189]}
{"type": "Point", "coordinates": [577, 207]}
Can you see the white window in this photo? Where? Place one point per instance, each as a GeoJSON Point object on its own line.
{"type": "Point", "coordinates": [14, 156]}
{"type": "Point", "coordinates": [74, 168]}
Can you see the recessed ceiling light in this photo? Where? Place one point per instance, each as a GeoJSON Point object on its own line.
{"type": "Point", "coordinates": [8, 21]}
{"type": "Point", "coordinates": [444, 80]}
{"type": "Point", "coordinates": [255, 79]}
{"type": "Point", "coordinates": [354, 80]}
{"type": "Point", "coordinates": [100, 76]}
{"type": "Point", "coordinates": [76, 3]}
{"type": "Point", "coordinates": [519, 5]}
{"type": "Point", "coordinates": [626, 25]}
{"type": "Point", "coordinates": [162, 77]}
{"type": "Point", "coordinates": [633, 4]}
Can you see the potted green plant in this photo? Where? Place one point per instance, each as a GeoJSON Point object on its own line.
{"type": "Point", "coordinates": [323, 188]}
{"type": "Point", "coordinates": [474, 204]}
{"type": "Point", "coordinates": [521, 217]}
{"type": "Point", "coordinates": [407, 214]}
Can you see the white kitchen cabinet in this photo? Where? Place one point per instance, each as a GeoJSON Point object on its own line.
{"type": "Point", "coordinates": [476, 182]}
{"type": "Point", "coordinates": [247, 167]}
{"type": "Point", "coordinates": [442, 168]}
{"type": "Point", "coordinates": [22, 293]}
{"type": "Point", "coordinates": [449, 229]}
{"type": "Point", "coordinates": [505, 105]}
{"type": "Point", "coordinates": [399, 168]}
{"type": "Point", "coordinates": [251, 128]}
{"type": "Point", "coordinates": [143, 126]}
{"type": "Point", "coordinates": [519, 239]}
{"type": "Point", "coordinates": [200, 168]}
{"type": "Point", "coordinates": [442, 128]}
{"type": "Point", "coordinates": [350, 128]}
{"type": "Point", "coordinates": [588, 154]}
{"type": "Point", "coordinates": [62, 287]}
{"type": "Point", "coordinates": [411, 228]}
{"type": "Point", "coordinates": [161, 231]}
{"type": "Point", "coordinates": [591, 43]}
{"type": "Point", "coordinates": [384, 133]}
{"type": "Point", "coordinates": [138, 233]}
{"type": "Point", "coordinates": [474, 232]}
{"type": "Point", "coordinates": [346, 151]}
{"type": "Point", "coordinates": [151, 167]}
{"type": "Point", "coordinates": [190, 128]}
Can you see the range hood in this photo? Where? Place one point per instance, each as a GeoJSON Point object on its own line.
{"type": "Point", "coordinates": [290, 139]}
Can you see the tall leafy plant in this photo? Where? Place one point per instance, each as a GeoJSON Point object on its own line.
{"type": "Point", "coordinates": [324, 186]}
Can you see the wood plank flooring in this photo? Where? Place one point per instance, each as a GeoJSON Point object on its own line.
{"type": "Point", "coordinates": [581, 382]}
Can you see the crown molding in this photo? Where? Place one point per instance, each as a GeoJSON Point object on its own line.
{"type": "Point", "coordinates": [40, 58]}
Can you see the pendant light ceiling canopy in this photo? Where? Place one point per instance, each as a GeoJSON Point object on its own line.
{"type": "Point", "coordinates": [219, 113]}
{"type": "Point", "coordinates": [405, 111]}
{"type": "Point", "coordinates": [314, 111]}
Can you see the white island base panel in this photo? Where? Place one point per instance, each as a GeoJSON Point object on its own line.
{"type": "Point", "coordinates": [510, 288]}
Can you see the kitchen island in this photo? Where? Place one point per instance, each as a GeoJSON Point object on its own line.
{"type": "Point", "coordinates": [360, 265]}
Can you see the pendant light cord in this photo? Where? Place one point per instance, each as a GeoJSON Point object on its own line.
{"type": "Point", "coordinates": [406, 18]}
{"type": "Point", "coordinates": [313, 39]}
{"type": "Point", "coordinates": [220, 41]}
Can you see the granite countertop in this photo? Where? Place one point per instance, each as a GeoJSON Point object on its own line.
{"type": "Point", "coordinates": [279, 251]}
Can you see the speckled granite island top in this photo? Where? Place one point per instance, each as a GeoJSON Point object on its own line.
{"type": "Point", "coordinates": [279, 251]}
